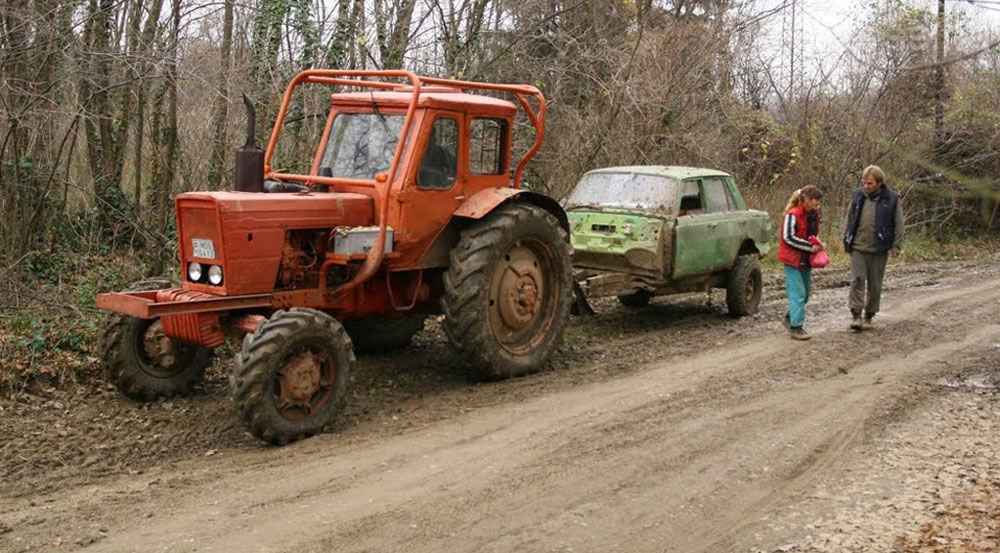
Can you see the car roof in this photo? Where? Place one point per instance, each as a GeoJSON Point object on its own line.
{"type": "Point", "coordinates": [678, 172]}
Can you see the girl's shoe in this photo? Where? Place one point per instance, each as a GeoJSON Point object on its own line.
{"type": "Point", "coordinates": [798, 333]}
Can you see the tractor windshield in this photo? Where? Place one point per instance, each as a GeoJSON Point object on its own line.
{"type": "Point", "coordinates": [624, 190]}
{"type": "Point", "coordinates": [361, 144]}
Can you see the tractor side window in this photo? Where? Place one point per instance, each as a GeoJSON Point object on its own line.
{"type": "Point", "coordinates": [690, 200]}
{"type": "Point", "coordinates": [717, 194]}
{"type": "Point", "coordinates": [486, 146]}
{"type": "Point", "coordinates": [438, 167]}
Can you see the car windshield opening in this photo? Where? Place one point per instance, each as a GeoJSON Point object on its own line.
{"type": "Point", "coordinates": [624, 190]}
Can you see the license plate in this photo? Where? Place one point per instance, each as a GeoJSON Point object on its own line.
{"type": "Point", "coordinates": [204, 249]}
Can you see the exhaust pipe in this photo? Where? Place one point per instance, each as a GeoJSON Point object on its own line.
{"type": "Point", "coordinates": [249, 157]}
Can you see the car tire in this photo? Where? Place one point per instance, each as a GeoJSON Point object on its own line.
{"type": "Point", "coordinates": [743, 289]}
{"type": "Point", "coordinates": [635, 300]}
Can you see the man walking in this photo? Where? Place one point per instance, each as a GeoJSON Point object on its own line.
{"type": "Point", "coordinates": [874, 230]}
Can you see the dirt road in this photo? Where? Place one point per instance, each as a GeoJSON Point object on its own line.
{"type": "Point", "coordinates": [672, 428]}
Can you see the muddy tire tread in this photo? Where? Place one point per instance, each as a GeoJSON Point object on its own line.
{"type": "Point", "coordinates": [746, 267]}
{"type": "Point", "coordinates": [466, 282]}
{"type": "Point", "coordinates": [253, 373]}
{"type": "Point", "coordinates": [128, 379]}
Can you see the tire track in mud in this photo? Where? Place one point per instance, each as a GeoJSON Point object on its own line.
{"type": "Point", "coordinates": [657, 460]}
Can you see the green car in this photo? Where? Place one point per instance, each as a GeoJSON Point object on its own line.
{"type": "Point", "coordinates": [645, 231]}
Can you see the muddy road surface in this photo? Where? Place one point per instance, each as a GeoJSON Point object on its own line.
{"type": "Point", "coordinates": [671, 428]}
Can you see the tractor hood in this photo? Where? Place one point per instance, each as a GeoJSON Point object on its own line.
{"type": "Point", "coordinates": [244, 232]}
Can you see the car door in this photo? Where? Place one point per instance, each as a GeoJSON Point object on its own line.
{"type": "Point", "coordinates": [725, 222]}
{"type": "Point", "coordinates": [694, 244]}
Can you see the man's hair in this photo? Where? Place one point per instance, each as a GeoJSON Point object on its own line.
{"type": "Point", "coordinates": [876, 172]}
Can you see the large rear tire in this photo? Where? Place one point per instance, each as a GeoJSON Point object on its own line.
{"type": "Point", "coordinates": [377, 334]}
{"type": "Point", "coordinates": [141, 361]}
{"type": "Point", "coordinates": [508, 290]}
{"type": "Point", "coordinates": [744, 288]}
{"type": "Point", "coordinates": [291, 375]}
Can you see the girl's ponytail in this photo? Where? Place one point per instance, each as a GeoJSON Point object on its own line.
{"type": "Point", "coordinates": [808, 191]}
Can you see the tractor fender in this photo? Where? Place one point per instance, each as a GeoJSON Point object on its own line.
{"type": "Point", "coordinates": [485, 201]}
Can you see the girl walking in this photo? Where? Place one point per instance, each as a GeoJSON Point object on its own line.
{"type": "Point", "coordinates": [801, 221]}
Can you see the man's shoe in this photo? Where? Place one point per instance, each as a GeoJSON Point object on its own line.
{"type": "Point", "coordinates": [798, 333]}
{"type": "Point", "coordinates": [868, 323]}
{"type": "Point", "coordinates": [856, 324]}
{"type": "Point", "coordinates": [787, 321]}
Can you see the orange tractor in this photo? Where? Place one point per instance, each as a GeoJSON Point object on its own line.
{"type": "Point", "coordinates": [409, 209]}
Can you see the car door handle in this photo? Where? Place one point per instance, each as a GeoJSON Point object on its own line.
{"type": "Point", "coordinates": [712, 225]}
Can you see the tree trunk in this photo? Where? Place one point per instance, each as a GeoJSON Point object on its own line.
{"type": "Point", "coordinates": [217, 159]}
{"type": "Point", "coordinates": [165, 144]}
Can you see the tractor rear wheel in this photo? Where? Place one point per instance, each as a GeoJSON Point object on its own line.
{"type": "Point", "coordinates": [744, 288]}
{"type": "Point", "coordinates": [291, 375]}
{"type": "Point", "coordinates": [508, 290]}
{"type": "Point", "coordinates": [142, 361]}
{"type": "Point", "coordinates": [375, 334]}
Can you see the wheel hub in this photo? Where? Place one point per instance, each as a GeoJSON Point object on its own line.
{"type": "Point", "coordinates": [300, 379]}
{"type": "Point", "coordinates": [519, 293]}
{"type": "Point", "coordinates": [159, 347]}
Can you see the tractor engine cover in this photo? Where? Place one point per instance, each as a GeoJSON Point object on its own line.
{"type": "Point", "coordinates": [243, 233]}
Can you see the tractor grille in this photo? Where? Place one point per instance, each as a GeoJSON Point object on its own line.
{"type": "Point", "coordinates": [196, 328]}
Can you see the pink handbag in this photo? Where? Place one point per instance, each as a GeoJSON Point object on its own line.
{"type": "Point", "coordinates": [819, 259]}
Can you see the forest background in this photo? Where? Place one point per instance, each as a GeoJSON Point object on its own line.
{"type": "Point", "coordinates": [108, 108]}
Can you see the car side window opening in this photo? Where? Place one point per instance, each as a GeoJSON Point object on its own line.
{"type": "Point", "coordinates": [717, 195]}
{"type": "Point", "coordinates": [690, 200]}
{"type": "Point", "coordinates": [438, 166]}
{"type": "Point", "coordinates": [486, 146]}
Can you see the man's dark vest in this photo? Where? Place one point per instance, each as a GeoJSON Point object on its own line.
{"type": "Point", "coordinates": [885, 218]}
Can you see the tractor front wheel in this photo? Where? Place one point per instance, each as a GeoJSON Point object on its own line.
{"type": "Point", "coordinates": [291, 375]}
{"type": "Point", "coordinates": [142, 361]}
{"type": "Point", "coordinates": [508, 290]}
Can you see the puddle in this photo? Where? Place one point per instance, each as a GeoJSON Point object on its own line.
{"type": "Point", "coordinates": [973, 382]}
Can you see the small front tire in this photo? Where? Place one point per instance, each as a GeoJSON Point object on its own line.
{"type": "Point", "coordinates": [291, 375]}
{"type": "Point", "coordinates": [144, 363]}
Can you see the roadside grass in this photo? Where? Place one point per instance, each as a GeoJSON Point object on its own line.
{"type": "Point", "coordinates": [48, 323]}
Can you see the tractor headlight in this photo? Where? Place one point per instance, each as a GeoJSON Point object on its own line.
{"type": "Point", "coordinates": [194, 271]}
{"type": "Point", "coordinates": [215, 275]}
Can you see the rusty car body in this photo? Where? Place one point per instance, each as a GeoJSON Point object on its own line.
{"type": "Point", "coordinates": [644, 231]}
